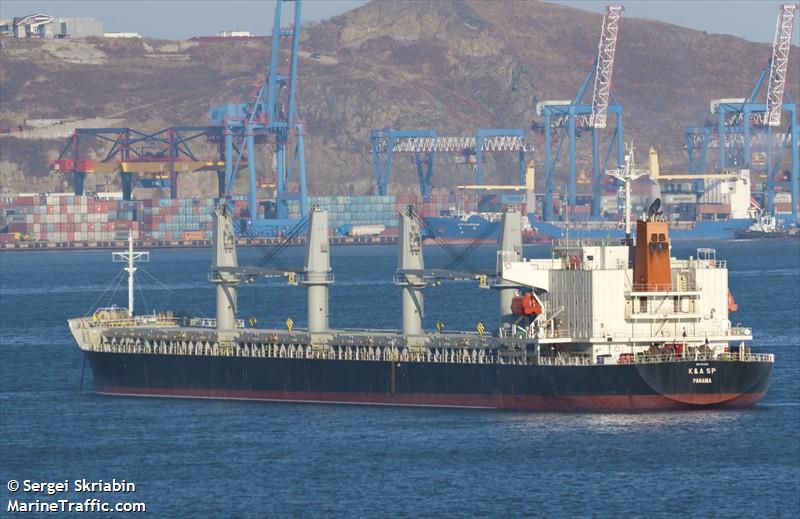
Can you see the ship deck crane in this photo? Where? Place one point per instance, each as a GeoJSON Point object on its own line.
{"type": "Point", "coordinates": [574, 115]}
{"type": "Point", "coordinates": [745, 124]}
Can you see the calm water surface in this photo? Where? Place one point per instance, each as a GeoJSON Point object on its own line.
{"type": "Point", "coordinates": [196, 458]}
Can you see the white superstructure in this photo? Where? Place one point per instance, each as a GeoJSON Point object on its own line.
{"type": "Point", "coordinates": [591, 304]}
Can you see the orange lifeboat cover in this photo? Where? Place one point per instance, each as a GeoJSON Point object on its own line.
{"type": "Point", "coordinates": [526, 304]}
{"type": "Point", "coordinates": [732, 306]}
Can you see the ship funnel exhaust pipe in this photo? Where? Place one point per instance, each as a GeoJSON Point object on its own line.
{"type": "Point", "coordinates": [224, 256]}
{"type": "Point", "coordinates": [509, 248]}
{"type": "Point", "coordinates": [318, 271]}
{"type": "Point", "coordinates": [410, 258]}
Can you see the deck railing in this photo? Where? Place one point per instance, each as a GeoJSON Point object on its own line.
{"type": "Point", "coordinates": [729, 357]}
{"type": "Point", "coordinates": [147, 320]}
{"type": "Point", "coordinates": [287, 347]}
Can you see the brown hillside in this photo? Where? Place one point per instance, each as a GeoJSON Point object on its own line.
{"type": "Point", "coordinates": [447, 65]}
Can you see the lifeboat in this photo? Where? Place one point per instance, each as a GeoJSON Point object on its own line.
{"type": "Point", "coordinates": [526, 304]}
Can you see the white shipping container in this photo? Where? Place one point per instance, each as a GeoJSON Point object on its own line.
{"type": "Point", "coordinates": [680, 198]}
{"type": "Point", "coordinates": [609, 202]}
{"type": "Point", "coordinates": [366, 230]}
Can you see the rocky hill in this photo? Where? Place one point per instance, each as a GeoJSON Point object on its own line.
{"type": "Point", "coordinates": [449, 65]}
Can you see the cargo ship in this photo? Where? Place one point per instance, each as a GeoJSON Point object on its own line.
{"type": "Point", "coordinates": [723, 209]}
{"type": "Point", "coordinates": [598, 326]}
{"type": "Point", "coordinates": [458, 227]}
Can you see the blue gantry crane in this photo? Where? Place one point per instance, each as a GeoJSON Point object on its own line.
{"type": "Point", "coordinates": [569, 117]}
{"type": "Point", "coordinates": [271, 116]}
{"type": "Point", "coordinates": [745, 125]}
{"type": "Point", "coordinates": [424, 144]}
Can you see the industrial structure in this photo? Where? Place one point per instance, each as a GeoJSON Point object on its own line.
{"type": "Point", "coordinates": [271, 116]}
{"type": "Point", "coordinates": [747, 132]}
{"type": "Point", "coordinates": [156, 157]}
{"type": "Point", "coordinates": [234, 130]}
{"type": "Point", "coordinates": [424, 144]}
{"type": "Point", "coordinates": [569, 117]}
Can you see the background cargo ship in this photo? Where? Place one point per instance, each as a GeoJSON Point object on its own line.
{"type": "Point", "coordinates": [578, 331]}
{"type": "Point", "coordinates": [723, 207]}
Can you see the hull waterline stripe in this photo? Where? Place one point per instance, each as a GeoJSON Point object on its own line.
{"type": "Point", "coordinates": [511, 402]}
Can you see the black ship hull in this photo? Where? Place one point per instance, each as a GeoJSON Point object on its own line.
{"type": "Point", "coordinates": [623, 387]}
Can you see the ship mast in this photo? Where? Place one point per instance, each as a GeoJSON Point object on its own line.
{"type": "Point", "coordinates": [130, 257]}
{"type": "Point", "coordinates": [626, 174]}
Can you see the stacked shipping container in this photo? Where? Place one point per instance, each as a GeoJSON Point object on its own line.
{"type": "Point", "coordinates": [177, 219]}
{"type": "Point", "coordinates": [61, 218]}
{"type": "Point", "coordinates": [383, 210]}
{"type": "Point", "coordinates": [67, 218]}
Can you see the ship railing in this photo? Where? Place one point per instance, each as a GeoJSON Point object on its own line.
{"type": "Point", "coordinates": [747, 357]}
{"type": "Point", "coordinates": [566, 360]}
{"type": "Point", "coordinates": [642, 358]}
{"type": "Point", "coordinates": [148, 320]}
{"type": "Point", "coordinates": [689, 286]}
{"type": "Point", "coordinates": [739, 331]}
{"type": "Point", "coordinates": [554, 333]}
{"type": "Point", "coordinates": [210, 322]}
{"type": "Point", "coordinates": [577, 243]}
{"type": "Point", "coordinates": [707, 263]}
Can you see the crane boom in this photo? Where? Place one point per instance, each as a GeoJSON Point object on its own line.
{"type": "Point", "coordinates": [453, 144]}
{"type": "Point", "coordinates": [605, 65]}
{"type": "Point", "coordinates": [779, 63]}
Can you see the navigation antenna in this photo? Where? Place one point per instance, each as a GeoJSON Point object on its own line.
{"type": "Point", "coordinates": [130, 257]}
{"type": "Point", "coordinates": [626, 174]}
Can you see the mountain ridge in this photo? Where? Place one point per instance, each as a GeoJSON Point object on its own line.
{"type": "Point", "coordinates": [451, 66]}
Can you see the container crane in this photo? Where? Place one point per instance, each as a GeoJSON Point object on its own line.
{"type": "Point", "coordinates": [744, 123]}
{"type": "Point", "coordinates": [270, 116]}
{"type": "Point", "coordinates": [574, 115]}
{"type": "Point", "coordinates": [528, 187]}
{"type": "Point", "coordinates": [156, 158]}
{"type": "Point", "coordinates": [425, 143]}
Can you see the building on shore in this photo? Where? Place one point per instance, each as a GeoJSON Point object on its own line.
{"type": "Point", "coordinates": [44, 26]}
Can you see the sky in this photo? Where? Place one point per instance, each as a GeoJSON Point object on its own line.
{"type": "Point", "coordinates": [181, 19]}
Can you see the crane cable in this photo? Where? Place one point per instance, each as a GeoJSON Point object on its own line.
{"type": "Point", "coordinates": [288, 238]}
{"type": "Point", "coordinates": [457, 256]}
